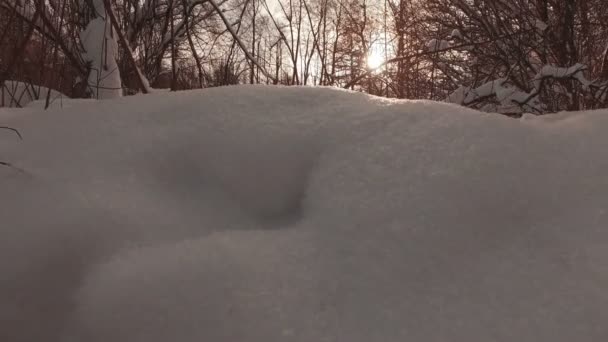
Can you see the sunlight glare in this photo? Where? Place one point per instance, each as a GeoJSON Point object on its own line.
{"type": "Point", "coordinates": [375, 59]}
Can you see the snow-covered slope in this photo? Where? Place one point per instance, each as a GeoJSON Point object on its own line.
{"type": "Point", "coordinates": [301, 214]}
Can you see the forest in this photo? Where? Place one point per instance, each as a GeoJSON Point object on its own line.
{"type": "Point", "coordinates": [303, 170]}
{"type": "Point", "coordinates": [505, 56]}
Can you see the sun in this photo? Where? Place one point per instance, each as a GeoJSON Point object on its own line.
{"type": "Point", "coordinates": [375, 59]}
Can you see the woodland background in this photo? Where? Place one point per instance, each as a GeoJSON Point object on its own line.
{"type": "Point", "coordinates": [506, 56]}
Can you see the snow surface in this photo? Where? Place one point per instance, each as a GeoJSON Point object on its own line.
{"type": "Point", "coordinates": [301, 214]}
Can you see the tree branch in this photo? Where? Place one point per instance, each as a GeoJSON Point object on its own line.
{"type": "Point", "coordinates": [238, 40]}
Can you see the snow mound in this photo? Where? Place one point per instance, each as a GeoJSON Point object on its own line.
{"type": "Point", "coordinates": [21, 94]}
{"type": "Point", "coordinates": [301, 214]}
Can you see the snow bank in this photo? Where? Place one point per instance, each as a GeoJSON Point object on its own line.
{"type": "Point", "coordinates": [61, 103]}
{"type": "Point", "coordinates": [302, 214]}
{"type": "Point", "coordinates": [21, 94]}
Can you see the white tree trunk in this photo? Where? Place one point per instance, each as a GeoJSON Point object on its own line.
{"type": "Point", "coordinates": [101, 49]}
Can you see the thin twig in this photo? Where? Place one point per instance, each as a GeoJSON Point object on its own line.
{"type": "Point", "coordinates": [238, 40]}
{"type": "Point", "coordinates": [12, 166]}
{"type": "Point", "coordinates": [20, 137]}
{"type": "Point", "coordinates": [12, 129]}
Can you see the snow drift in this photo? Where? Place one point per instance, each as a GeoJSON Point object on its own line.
{"type": "Point", "coordinates": [301, 214]}
{"type": "Point", "coordinates": [21, 94]}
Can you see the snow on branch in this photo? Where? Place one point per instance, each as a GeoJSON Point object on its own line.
{"type": "Point", "coordinates": [434, 45]}
{"type": "Point", "coordinates": [514, 100]}
{"type": "Point", "coordinates": [551, 71]}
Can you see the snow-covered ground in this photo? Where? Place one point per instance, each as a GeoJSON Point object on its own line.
{"type": "Point", "coordinates": [265, 214]}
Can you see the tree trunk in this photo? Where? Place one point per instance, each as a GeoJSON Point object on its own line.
{"type": "Point", "coordinates": [143, 83]}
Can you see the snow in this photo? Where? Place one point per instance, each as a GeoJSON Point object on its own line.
{"type": "Point", "coordinates": [59, 102]}
{"type": "Point", "coordinates": [101, 50]}
{"type": "Point", "coordinates": [509, 98]}
{"type": "Point", "coordinates": [20, 94]}
{"type": "Point", "coordinates": [540, 25]}
{"type": "Point", "coordinates": [513, 100]}
{"type": "Point", "coordinates": [260, 213]}
{"type": "Point", "coordinates": [456, 34]}
{"type": "Point", "coordinates": [575, 71]}
{"type": "Point", "coordinates": [438, 45]}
